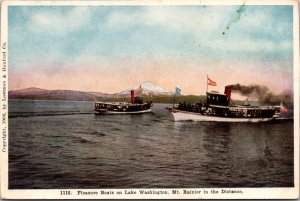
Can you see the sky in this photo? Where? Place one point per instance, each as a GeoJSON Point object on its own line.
{"type": "Point", "coordinates": [110, 48]}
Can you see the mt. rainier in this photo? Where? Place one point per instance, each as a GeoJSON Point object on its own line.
{"type": "Point", "coordinates": [148, 89]}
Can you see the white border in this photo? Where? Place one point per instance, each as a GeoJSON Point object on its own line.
{"type": "Point", "coordinates": [4, 155]}
{"type": "Point", "coordinates": [249, 193]}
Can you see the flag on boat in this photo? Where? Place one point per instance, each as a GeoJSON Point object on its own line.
{"type": "Point", "coordinates": [139, 90]}
{"type": "Point", "coordinates": [282, 108]}
{"type": "Point", "coordinates": [210, 82]}
{"type": "Point", "coordinates": [177, 91]}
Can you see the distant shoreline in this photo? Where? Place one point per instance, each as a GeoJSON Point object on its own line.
{"type": "Point", "coordinates": [168, 99]}
{"type": "Point", "coordinates": [182, 99]}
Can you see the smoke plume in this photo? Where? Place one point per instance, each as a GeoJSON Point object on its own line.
{"type": "Point", "coordinates": [262, 93]}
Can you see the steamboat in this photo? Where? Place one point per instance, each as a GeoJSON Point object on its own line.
{"type": "Point", "coordinates": [218, 107]}
{"type": "Point", "coordinates": [136, 106]}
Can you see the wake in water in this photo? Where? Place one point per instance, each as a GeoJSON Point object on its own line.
{"type": "Point", "coordinates": [33, 114]}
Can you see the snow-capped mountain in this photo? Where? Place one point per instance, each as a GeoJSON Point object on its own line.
{"type": "Point", "coordinates": [148, 89]}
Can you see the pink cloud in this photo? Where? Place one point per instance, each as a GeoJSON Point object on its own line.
{"type": "Point", "coordinates": [112, 77]}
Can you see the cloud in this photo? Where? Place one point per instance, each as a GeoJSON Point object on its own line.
{"type": "Point", "coordinates": [57, 22]}
{"type": "Point", "coordinates": [190, 20]}
{"type": "Point", "coordinates": [166, 31]}
{"type": "Point", "coordinates": [102, 44]}
{"type": "Point", "coordinates": [123, 20]}
{"type": "Point", "coordinates": [178, 19]}
{"type": "Point", "coordinates": [108, 76]}
{"type": "Point", "coordinates": [258, 33]}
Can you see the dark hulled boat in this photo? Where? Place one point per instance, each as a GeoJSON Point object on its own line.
{"type": "Point", "coordinates": [136, 106]}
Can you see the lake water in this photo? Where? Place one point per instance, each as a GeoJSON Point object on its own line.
{"type": "Point", "coordinates": [63, 144]}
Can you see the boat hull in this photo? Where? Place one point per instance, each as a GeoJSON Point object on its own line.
{"type": "Point", "coordinates": [117, 112]}
{"type": "Point", "coordinates": [122, 108]}
{"type": "Point", "coordinates": [191, 116]}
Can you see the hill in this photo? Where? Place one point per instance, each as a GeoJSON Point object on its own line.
{"type": "Point", "coordinates": [43, 94]}
{"type": "Point", "coordinates": [149, 89]}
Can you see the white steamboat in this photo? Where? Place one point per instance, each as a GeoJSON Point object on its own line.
{"type": "Point", "coordinates": [219, 108]}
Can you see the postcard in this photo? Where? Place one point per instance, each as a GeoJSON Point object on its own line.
{"type": "Point", "coordinates": [150, 99]}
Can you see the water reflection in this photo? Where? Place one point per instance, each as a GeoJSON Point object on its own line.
{"type": "Point", "coordinates": [269, 155]}
{"type": "Point", "coordinates": [216, 145]}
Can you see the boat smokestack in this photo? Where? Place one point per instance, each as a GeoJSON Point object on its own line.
{"type": "Point", "coordinates": [132, 96]}
{"type": "Point", "coordinates": [228, 93]}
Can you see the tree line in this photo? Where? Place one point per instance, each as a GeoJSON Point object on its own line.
{"type": "Point", "coordinates": [161, 99]}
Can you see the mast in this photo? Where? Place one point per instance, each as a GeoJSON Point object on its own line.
{"type": "Point", "coordinates": [206, 83]}
{"type": "Point", "coordinates": [174, 100]}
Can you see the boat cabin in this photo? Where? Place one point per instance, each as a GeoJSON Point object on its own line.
{"type": "Point", "coordinates": [214, 98]}
{"type": "Point", "coordinates": [138, 100]}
